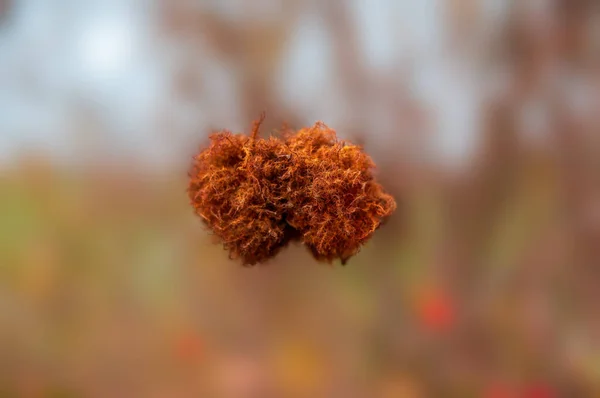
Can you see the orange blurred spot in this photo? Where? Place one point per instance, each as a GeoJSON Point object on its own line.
{"type": "Point", "coordinates": [436, 310]}
{"type": "Point", "coordinates": [299, 367]}
{"type": "Point", "coordinates": [401, 387]}
{"type": "Point", "coordinates": [500, 391]}
{"type": "Point", "coordinates": [189, 347]}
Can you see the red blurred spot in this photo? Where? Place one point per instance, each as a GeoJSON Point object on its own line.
{"type": "Point", "coordinates": [539, 391]}
{"type": "Point", "coordinates": [189, 347]}
{"type": "Point", "coordinates": [436, 310]}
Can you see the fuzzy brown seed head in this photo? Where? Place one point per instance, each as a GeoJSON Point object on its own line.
{"type": "Point", "coordinates": [337, 203]}
{"type": "Point", "coordinates": [234, 189]}
{"type": "Point", "coordinates": [256, 195]}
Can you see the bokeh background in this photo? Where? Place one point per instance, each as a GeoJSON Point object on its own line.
{"type": "Point", "coordinates": [482, 115]}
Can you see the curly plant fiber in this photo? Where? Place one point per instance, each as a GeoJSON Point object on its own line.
{"type": "Point", "coordinates": [257, 195]}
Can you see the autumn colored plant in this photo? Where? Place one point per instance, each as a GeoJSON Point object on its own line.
{"type": "Point", "coordinates": [258, 194]}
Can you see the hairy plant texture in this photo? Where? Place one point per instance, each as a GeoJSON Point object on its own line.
{"type": "Point", "coordinates": [257, 195]}
{"type": "Point", "coordinates": [336, 202]}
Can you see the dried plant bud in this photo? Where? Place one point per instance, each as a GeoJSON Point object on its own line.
{"type": "Point", "coordinates": [234, 188]}
{"type": "Point", "coordinates": [256, 195]}
{"type": "Point", "coordinates": [337, 203]}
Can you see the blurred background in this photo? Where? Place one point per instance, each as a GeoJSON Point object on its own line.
{"type": "Point", "coordinates": [482, 115]}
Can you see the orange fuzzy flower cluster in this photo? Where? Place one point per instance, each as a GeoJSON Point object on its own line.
{"type": "Point", "coordinates": [257, 194]}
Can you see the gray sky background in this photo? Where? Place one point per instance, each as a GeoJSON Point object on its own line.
{"type": "Point", "coordinates": [72, 66]}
